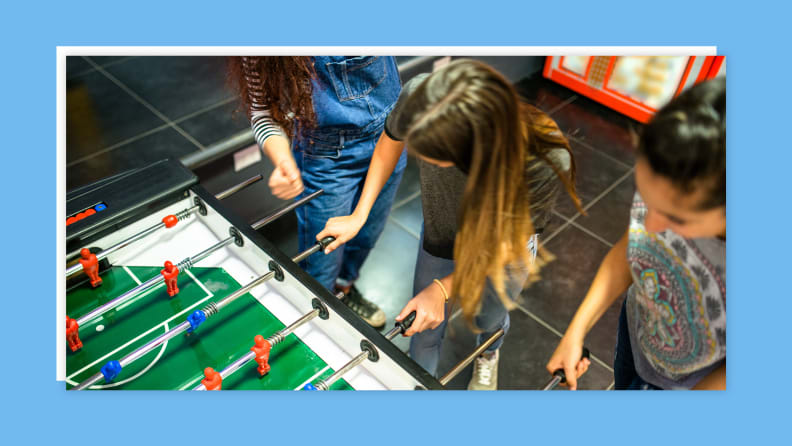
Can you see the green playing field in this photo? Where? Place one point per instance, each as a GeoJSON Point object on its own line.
{"type": "Point", "coordinates": [178, 364]}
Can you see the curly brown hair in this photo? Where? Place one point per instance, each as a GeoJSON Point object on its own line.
{"type": "Point", "coordinates": [278, 84]}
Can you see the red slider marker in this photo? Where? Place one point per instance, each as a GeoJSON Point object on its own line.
{"type": "Point", "coordinates": [170, 221]}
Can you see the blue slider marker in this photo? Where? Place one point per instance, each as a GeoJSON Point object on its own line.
{"type": "Point", "coordinates": [310, 386]}
{"type": "Point", "coordinates": [100, 207]}
{"type": "Point", "coordinates": [111, 370]}
{"type": "Point", "coordinates": [197, 318]}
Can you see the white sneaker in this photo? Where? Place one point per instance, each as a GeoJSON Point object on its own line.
{"type": "Point", "coordinates": [485, 373]}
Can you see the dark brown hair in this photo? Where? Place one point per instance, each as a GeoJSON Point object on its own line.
{"type": "Point", "coordinates": [469, 114]}
{"type": "Point", "coordinates": [685, 142]}
{"type": "Point", "coordinates": [280, 84]}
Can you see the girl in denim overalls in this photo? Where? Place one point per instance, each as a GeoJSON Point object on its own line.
{"type": "Point", "coordinates": [333, 133]}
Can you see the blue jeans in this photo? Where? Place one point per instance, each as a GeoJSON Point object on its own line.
{"type": "Point", "coordinates": [342, 177]}
{"type": "Point", "coordinates": [624, 374]}
{"type": "Point", "coordinates": [425, 346]}
{"type": "Point", "coordinates": [352, 98]}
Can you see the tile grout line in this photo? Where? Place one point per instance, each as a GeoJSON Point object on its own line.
{"type": "Point", "coordinates": [540, 321]}
{"type": "Point", "coordinates": [147, 105]}
{"type": "Point", "coordinates": [558, 333]}
{"type": "Point", "coordinates": [406, 200]}
{"type": "Point", "coordinates": [592, 148]}
{"type": "Point", "coordinates": [602, 194]}
{"type": "Point", "coordinates": [118, 144]}
{"type": "Point", "coordinates": [405, 228]}
{"type": "Point", "coordinates": [594, 201]}
{"type": "Point", "coordinates": [556, 232]}
{"type": "Point", "coordinates": [109, 64]}
{"type": "Point", "coordinates": [149, 132]}
{"type": "Point", "coordinates": [591, 233]}
{"type": "Point", "coordinates": [563, 104]}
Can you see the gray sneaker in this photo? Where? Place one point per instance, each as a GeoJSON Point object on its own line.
{"type": "Point", "coordinates": [367, 310]}
{"type": "Point", "coordinates": [485, 373]}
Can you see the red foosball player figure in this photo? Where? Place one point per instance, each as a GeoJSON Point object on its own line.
{"type": "Point", "coordinates": [213, 380]}
{"type": "Point", "coordinates": [262, 350]}
{"type": "Point", "coordinates": [170, 273]}
{"type": "Point", "coordinates": [90, 265]}
{"type": "Point", "coordinates": [72, 334]}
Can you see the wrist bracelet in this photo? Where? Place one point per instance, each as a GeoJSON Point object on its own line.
{"type": "Point", "coordinates": [442, 288]}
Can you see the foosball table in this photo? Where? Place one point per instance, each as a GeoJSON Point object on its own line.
{"type": "Point", "coordinates": [168, 289]}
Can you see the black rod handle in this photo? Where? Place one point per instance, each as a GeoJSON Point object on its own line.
{"type": "Point", "coordinates": [560, 372]}
{"type": "Point", "coordinates": [405, 324]}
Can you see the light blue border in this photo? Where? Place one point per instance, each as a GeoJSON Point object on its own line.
{"type": "Point", "coordinates": [37, 409]}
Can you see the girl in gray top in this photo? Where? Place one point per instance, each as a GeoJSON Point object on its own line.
{"type": "Point", "coordinates": [490, 169]}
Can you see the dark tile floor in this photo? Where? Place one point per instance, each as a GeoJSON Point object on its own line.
{"type": "Point", "coordinates": [116, 121]}
{"type": "Point", "coordinates": [124, 112]}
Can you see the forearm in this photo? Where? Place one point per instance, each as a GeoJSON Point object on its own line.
{"type": "Point", "coordinates": [714, 381]}
{"type": "Point", "coordinates": [612, 279]}
{"type": "Point", "coordinates": [383, 162]}
{"type": "Point", "coordinates": [277, 149]}
{"type": "Point", "coordinates": [270, 137]}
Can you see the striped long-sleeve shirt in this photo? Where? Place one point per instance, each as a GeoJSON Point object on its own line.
{"type": "Point", "coordinates": [263, 125]}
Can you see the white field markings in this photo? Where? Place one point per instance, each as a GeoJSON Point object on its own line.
{"type": "Point", "coordinates": [311, 379]}
{"type": "Point", "coordinates": [136, 298]}
{"type": "Point", "coordinates": [135, 376]}
{"type": "Point", "coordinates": [199, 283]}
{"type": "Point", "coordinates": [209, 295]}
{"type": "Point", "coordinates": [134, 277]}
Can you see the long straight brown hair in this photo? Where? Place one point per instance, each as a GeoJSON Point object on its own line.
{"type": "Point", "coordinates": [280, 84]}
{"type": "Point", "coordinates": [469, 114]}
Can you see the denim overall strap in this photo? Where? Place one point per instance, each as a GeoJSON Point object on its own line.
{"type": "Point", "coordinates": [354, 94]}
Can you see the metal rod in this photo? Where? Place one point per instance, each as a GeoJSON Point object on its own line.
{"type": "Point", "coordinates": [303, 255]}
{"type": "Point", "coordinates": [139, 353]}
{"type": "Point", "coordinates": [98, 311]}
{"type": "Point", "coordinates": [278, 337]}
{"type": "Point", "coordinates": [393, 332]}
{"type": "Point", "coordinates": [188, 262]}
{"type": "Point", "coordinates": [274, 340]}
{"type": "Point", "coordinates": [150, 230]}
{"type": "Point", "coordinates": [159, 340]}
{"type": "Point", "coordinates": [183, 265]}
{"type": "Point", "coordinates": [124, 243]}
{"type": "Point", "coordinates": [480, 349]}
{"type": "Point", "coordinates": [209, 310]}
{"type": "Point", "coordinates": [234, 189]}
{"type": "Point", "coordinates": [325, 384]}
{"type": "Point", "coordinates": [89, 382]}
{"type": "Point", "coordinates": [240, 292]}
{"type": "Point", "coordinates": [236, 365]}
{"type": "Point", "coordinates": [553, 383]}
{"type": "Point", "coordinates": [285, 209]}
